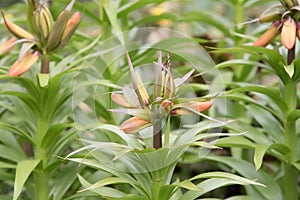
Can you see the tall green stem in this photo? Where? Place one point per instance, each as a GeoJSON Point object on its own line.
{"type": "Point", "coordinates": [41, 177]}
{"type": "Point", "coordinates": [290, 137]}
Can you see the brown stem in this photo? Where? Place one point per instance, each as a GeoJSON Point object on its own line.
{"type": "Point", "coordinates": [45, 64]}
{"type": "Point", "coordinates": [291, 55]}
{"type": "Point", "coordinates": [157, 134]}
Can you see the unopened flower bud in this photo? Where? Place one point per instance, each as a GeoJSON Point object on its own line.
{"type": "Point", "coordinates": [59, 27]}
{"type": "Point", "coordinates": [269, 35]}
{"type": "Point", "coordinates": [23, 65]}
{"type": "Point", "coordinates": [42, 21]}
{"type": "Point", "coordinates": [270, 17]}
{"type": "Point", "coordinates": [120, 100]}
{"type": "Point", "coordinates": [7, 46]}
{"type": "Point", "coordinates": [190, 107]}
{"type": "Point", "coordinates": [70, 28]}
{"type": "Point", "coordinates": [134, 124]}
{"type": "Point", "coordinates": [17, 30]}
{"type": "Point", "coordinates": [288, 33]}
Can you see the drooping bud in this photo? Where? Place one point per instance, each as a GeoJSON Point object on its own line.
{"type": "Point", "coordinates": [269, 35]}
{"type": "Point", "coordinates": [120, 100]}
{"type": "Point", "coordinates": [23, 65]}
{"type": "Point", "coordinates": [134, 124]}
{"type": "Point", "coordinates": [191, 107]}
{"type": "Point", "coordinates": [59, 28]}
{"type": "Point", "coordinates": [288, 33]}
{"type": "Point", "coordinates": [7, 46]}
{"type": "Point", "coordinates": [17, 30]}
{"type": "Point", "coordinates": [42, 22]}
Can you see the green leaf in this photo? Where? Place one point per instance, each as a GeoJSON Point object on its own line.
{"type": "Point", "coordinates": [167, 191]}
{"type": "Point", "coordinates": [293, 116]}
{"type": "Point", "coordinates": [7, 165]}
{"type": "Point", "coordinates": [63, 182]}
{"type": "Point", "coordinates": [104, 191]}
{"type": "Point", "coordinates": [235, 141]}
{"type": "Point", "coordinates": [241, 180]}
{"type": "Point", "coordinates": [24, 169]}
{"type": "Point", "coordinates": [104, 182]}
{"type": "Point", "coordinates": [289, 69]}
{"type": "Point", "coordinates": [43, 79]}
{"type": "Point", "coordinates": [189, 185]}
{"type": "Point", "coordinates": [259, 153]}
{"type": "Point", "coordinates": [247, 169]}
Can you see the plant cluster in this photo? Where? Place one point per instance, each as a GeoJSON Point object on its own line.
{"type": "Point", "coordinates": [215, 117]}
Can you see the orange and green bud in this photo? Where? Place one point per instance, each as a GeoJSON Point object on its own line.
{"type": "Point", "coordinates": [138, 85]}
{"type": "Point", "coordinates": [120, 100]}
{"type": "Point", "coordinates": [7, 46]}
{"type": "Point", "coordinates": [269, 35]}
{"type": "Point", "coordinates": [134, 125]}
{"type": "Point", "coordinates": [270, 17]}
{"type": "Point", "coordinates": [59, 28]}
{"type": "Point", "coordinates": [42, 22]}
{"type": "Point", "coordinates": [70, 27]}
{"type": "Point", "coordinates": [288, 33]}
{"type": "Point", "coordinates": [23, 65]}
{"type": "Point", "coordinates": [191, 107]}
{"type": "Point", "coordinates": [17, 30]}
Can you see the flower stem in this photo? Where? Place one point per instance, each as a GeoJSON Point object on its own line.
{"type": "Point", "coordinates": [290, 136]}
{"type": "Point", "coordinates": [45, 64]}
{"type": "Point", "coordinates": [41, 177]}
{"type": "Point", "coordinates": [157, 134]}
{"type": "Point", "coordinates": [291, 55]}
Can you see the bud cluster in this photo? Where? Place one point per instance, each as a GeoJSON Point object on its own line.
{"type": "Point", "coordinates": [285, 20]}
{"type": "Point", "coordinates": [136, 102]}
{"type": "Point", "coordinates": [46, 36]}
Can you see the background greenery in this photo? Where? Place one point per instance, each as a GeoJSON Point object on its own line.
{"type": "Point", "coordinates": [254, 96]}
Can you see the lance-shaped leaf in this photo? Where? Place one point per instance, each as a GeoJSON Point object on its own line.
{"type": "Point", "coordinates": [23, 65]}
{"type": "Point", "coordinates": [134, 124]}
{"type": "Point", "coordinates": [288, 33]}
{"type": "Point", "coordinates": [138, 85]}
{"type": "Point", "coordinates": [269, 35]}
{"type": "Point", "coordinates": [180, 81]}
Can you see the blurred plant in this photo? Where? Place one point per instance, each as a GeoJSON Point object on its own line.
{"type": "Point", "coordinates": [44, 38]}
{"type": "Point", "coordinates": [273, 108]}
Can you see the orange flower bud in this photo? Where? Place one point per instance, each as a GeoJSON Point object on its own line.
{"type": "Point", "coordinates": [70, 27]}
{"type": "Point", "coordinates": [23, 65]}
{"type": "Point", "coordinates": [134, 124]}
{"type": "Point", "coordinates": [7, 46]}
{"type": "Point", "coordinates": [120, 100]}
{"type": "Point", "coordinates": [17, 30]}
{"type": "Point", "coordinates": [188, 107]}
{"type": "Point", "coordinates": [269, 35]}
{"type": "Point", "coordinates": [59, 28]}
{"type": "Point", "coordinates": [288, 33]}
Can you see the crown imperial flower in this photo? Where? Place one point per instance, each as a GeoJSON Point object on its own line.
{"type": "Point", "coordinates": [144, 112]}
